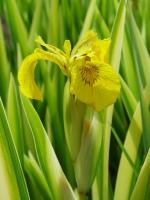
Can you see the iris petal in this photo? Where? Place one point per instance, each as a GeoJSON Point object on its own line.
{"type": "Point", "coordinates": [26, 72]}
{"type": "Point", "coordinates": [26, 78]}
{"type": "Point", "coordinates": [102, 49]}
{"type": "Point", "coordinates": [86, 42]}
{"type": "Point", "coordinates": [92, 80]}
{"type": "Point", "coordinates": [51, 48]}
{"type": "Point", "coordinates": [67, 47]}
{"type": "Point", "coordinates": [101, 92]}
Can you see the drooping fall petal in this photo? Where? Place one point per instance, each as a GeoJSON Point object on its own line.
{"type": "Point", "coordinates": [95, 84]}
{"type": "Point", "coordinates": [26, 72]}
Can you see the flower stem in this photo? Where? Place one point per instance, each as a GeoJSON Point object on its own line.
{"type": "Point", "coordinates": [83, 196]}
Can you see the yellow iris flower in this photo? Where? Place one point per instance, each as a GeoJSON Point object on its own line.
{"type": "Point", "coordinates": [92, 79]}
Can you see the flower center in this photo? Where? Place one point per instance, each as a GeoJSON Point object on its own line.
{"type": "Point", "coordinates": [89, 74]}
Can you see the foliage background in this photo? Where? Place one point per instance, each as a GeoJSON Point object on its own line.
{"type": "Point", "coordinates": [124, 167]}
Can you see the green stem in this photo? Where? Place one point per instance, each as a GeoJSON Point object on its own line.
{"type": "Point", "coordinates": [83, 196]}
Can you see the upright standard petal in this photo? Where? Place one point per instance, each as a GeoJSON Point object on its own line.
{"type": "Point", "coordinates": [85, 43]}
{"type": "Point", "coordinates": [95, 84]}
{"type": "Point", "coordinates": [92, 47]}
{"type": "Point", "coordinates": [101, 49]}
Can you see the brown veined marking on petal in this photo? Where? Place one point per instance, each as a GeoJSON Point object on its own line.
{"type": "Point", "coordinates": [89, 74]}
